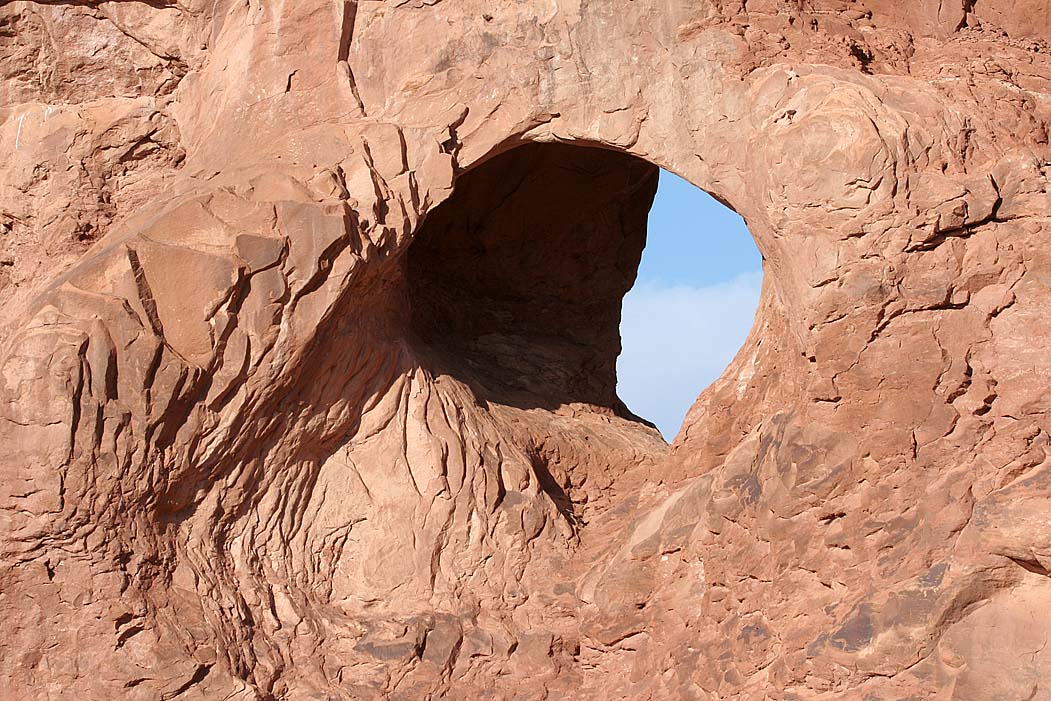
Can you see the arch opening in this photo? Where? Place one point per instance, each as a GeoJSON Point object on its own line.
{"type": "Point", "coordinates": [692, 306]}
{"type": "Point", "coordinates": [518, 280]}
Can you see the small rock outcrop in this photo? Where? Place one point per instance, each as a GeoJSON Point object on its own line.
{"type": "Point", "coordinates": [307, 375]}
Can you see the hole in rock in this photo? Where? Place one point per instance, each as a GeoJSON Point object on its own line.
{"type": "Point", "coordinates": [518, 279]}
{"type": "Point", "coordinates": [692, 306]}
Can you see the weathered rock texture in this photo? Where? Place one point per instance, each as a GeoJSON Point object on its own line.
{"type": "Point", "coordinates": [307, 369]}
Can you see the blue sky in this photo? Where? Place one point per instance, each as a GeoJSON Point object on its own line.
{"type": "Point", "coordinates": [692, 305]}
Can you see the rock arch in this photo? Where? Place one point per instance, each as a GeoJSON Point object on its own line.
{"type": "Point", "coordinates": [198, 410]}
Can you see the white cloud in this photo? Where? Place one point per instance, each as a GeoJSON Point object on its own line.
{"type": "Point", "coordinates": [677, 340]}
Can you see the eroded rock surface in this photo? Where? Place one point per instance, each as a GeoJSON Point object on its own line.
{"type": "Point", "coordinates": [307, 370]}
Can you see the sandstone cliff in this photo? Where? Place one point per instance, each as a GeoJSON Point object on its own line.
{"type": "Point", "coordinates": [310, 328]}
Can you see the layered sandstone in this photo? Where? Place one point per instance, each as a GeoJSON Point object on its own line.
{"type": "Point", "coordinates": [307, 369]}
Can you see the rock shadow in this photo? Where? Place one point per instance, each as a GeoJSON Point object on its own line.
{"type": "Point", "coordinates": [516, 281]}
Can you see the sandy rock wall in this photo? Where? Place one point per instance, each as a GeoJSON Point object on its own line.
{"type": "Point", "coordinates": [259, 443]}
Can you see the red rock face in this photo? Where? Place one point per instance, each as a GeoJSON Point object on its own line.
{"type": "Point", "coordinates": [307, 370]}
